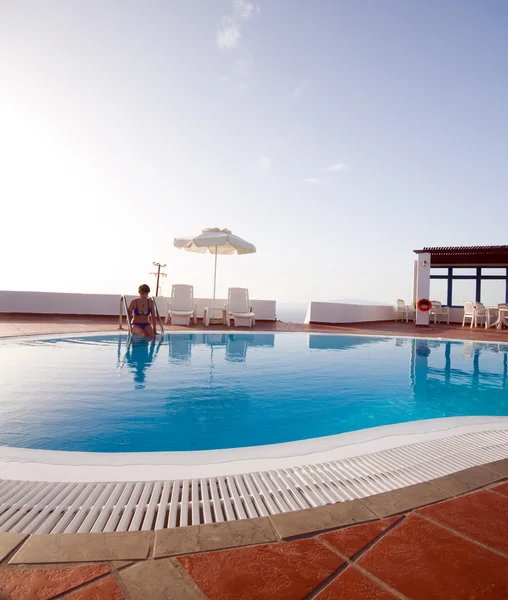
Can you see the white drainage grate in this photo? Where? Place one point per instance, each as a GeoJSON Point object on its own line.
{"type": "Point", "coordinates": [41, 507]}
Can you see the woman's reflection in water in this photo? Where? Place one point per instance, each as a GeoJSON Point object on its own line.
{"type": "Point", "coordinates": [140, 354]}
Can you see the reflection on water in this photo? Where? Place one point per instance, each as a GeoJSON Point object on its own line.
{"type": "Point", "coordinates": [139, 355]}
{"type": "Point", "coordinates": [196, 402]}
{"type": "Point", "coordinates": [440, 371]}
{"type": "Point", "coordinates": [341, 342]}
{"type": "Point", "coordinates": [236, 347]}
{"type": "Point", "coordinates": [180, 346]}
{"type": "Point", "coordinates": [454, 368]}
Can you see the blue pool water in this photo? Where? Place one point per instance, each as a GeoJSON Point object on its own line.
{"type": "Point", "coordinates": [207, 391]}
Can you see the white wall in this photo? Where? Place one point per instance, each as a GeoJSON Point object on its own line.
{"type": "Point", "coordinates": [456, 315]}
{"type": "Point", "coordinates": [108, 304]}
{"type": "Point", "coordinates": [59, 304]}
{"type": "Point", "coordinates": [334, 312]}
{"type": "Point", "coordinates": [102, 304]}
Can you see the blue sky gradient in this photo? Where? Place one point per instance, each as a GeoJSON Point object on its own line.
{"type": "Point", "coordinates": [336, 136]}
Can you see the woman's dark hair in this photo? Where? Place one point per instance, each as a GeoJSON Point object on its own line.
{"type": "Point", "coordinates": [143, 289]}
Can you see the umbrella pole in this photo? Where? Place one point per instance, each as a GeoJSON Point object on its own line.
{"type": "Point", "coordinates": [214, 276]}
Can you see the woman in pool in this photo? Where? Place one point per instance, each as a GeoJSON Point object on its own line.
{"type": "Point", "coordinates": [140, 311]}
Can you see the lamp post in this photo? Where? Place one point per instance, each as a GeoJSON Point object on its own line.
{"type": "Point", "coordinates": [159, 275]}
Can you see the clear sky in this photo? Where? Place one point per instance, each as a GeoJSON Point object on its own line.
{"type": "Point", "coordinates": [337, 136]}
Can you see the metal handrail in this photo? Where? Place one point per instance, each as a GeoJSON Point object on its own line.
{"type": "Point", "coordinates": [123, 304]}
{"type": "Point", "coordinates": [157, 314]}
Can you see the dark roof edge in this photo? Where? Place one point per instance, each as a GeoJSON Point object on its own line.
{"type": "Point", "coordinates": [464, 250]}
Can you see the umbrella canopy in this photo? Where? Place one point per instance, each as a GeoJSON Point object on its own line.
{"type": "Point", "coordinates": [216, 241]}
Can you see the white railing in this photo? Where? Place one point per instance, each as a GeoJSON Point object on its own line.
{"type": "Point", "coordinates": [123, 304]}
{"type": "Point", "coordinates": [157, 314]}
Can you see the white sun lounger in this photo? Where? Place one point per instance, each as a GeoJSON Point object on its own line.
{"type": "Point", "coordinates": [239, 309]}
{"type": "Point", "coordinates": [181, 307]}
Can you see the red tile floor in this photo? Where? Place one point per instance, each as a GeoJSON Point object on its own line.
{"type": "Point", "coordinates": [35, 324]}
{"type": "Point", "coordinates": [451, 550]}
{"type": "Point", "coordinates": [456, 549]}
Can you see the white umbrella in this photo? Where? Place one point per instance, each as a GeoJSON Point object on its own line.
{"type": "Point", "coordinates": [216, 241]}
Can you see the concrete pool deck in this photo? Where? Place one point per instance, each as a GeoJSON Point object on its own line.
{"type": "Point", "coordinates": [438, 539]}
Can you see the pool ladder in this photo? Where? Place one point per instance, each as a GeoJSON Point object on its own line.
{"type": "Point", "coordinates": [124, 306]}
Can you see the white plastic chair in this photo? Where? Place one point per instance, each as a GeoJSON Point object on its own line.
{"type": "Point", "coordinates": [482, 315]}
{"type": "Point", "coordinates": [469, 313]}
{"type": "Point", "coordinates": [181, 307]}
{"type": "Point", "coordinates": [438, 310]}
{"type": "Point", "coordinates": [404, 310]}
{"type": "Point", "coordinates": [501, 317]}
{"type": "Point", "coordinates": [239, 309]}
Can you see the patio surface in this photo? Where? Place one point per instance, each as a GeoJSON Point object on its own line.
{"type": "Point", "coordinates": [401, 544]}
{"type": "Point", "coordinates": [456, 548]}
{"type": "Point", "coordinates": [23, 324]}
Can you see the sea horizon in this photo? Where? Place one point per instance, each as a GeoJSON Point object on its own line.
{"type": "Point", "coordinates": [295, 312]}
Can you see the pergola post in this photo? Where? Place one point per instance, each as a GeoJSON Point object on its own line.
{"type": "Point", "coordinates": [422, 286]}
{"type": "Point", "coordinates": [415, 271]}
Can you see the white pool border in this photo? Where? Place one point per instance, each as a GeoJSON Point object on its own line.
{"type": "Point", "coordinates": [23, 464]}
{"type": "Point", "coordinates": [124, 333]}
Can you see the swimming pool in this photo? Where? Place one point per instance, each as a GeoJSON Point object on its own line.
{"type": "Point", "coordinates": [104, 393]}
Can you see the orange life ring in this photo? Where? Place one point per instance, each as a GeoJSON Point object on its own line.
{"type": "Point", "coordinates": [424, 305]}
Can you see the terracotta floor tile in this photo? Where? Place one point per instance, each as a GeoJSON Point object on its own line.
{"type": "Point", "coordinates": [105, 589]}
{"type": "Point", "coordinates": [42, 584]}
{"type": "Point", "coordinates": [286, 571]}
{"type": "Point", "coordinates": [351, 584]}
{"type": "Point", "coordinates": [351, 540]}
{"type": "Point", "coordinates": [425, 562]}
{"type": "Point", "coordinates": [482, 516]}
{"type": "Point", "coordinates": [501, 489]}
